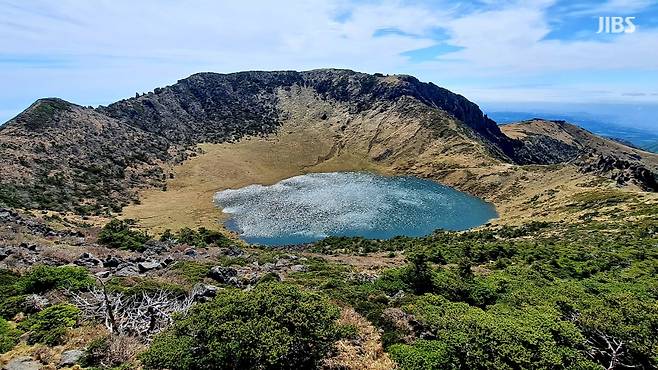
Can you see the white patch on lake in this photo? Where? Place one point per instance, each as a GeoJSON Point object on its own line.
{"type": "Point", "coordinates": [308, 208]}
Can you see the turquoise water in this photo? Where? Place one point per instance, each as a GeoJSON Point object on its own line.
{"type": "Point", "coordinates": [307, 208]}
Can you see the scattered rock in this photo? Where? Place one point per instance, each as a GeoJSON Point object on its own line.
{"type": "Point", "coordinates": [168, 260]}
{"type": "Point", "coordinates": [71, 357]}
{"type": "Point", "coordinates": [154, 247]}
{"type": "Point", "coordinates": [4, 253]}
{"type": "Point", "coordinates": [223, 274]}
{"type": "Point", "coordinates": [235, 252]}
{"type": "Point", "coordinates": [282, 262]}
{"type": "Point", "coordinates": [103, 274]}
{"type": "Point", "coordinates": [148, 266]}
{"type": "Point", "coordinates": [23, 363]}
{"type": "Point", "coordinates": [87, 259]}
{"type": "Point", "coordinates": [299, 268]}
{"type": "Point", "coordinates": [112, 262]}
{"type": "Point", "coordinates": [204, 292]}
{"type": "Point", "coordinates": [127, 269]}
{"type": "Point", "coordinates": [248, 278]}
{"type": "Point", "coordinates": [190, 252]}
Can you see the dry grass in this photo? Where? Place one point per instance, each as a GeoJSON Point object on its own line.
{"type": "Point", "coordinates": [365, 352]}
{"type": "Point", "coordinates": [382, 141]}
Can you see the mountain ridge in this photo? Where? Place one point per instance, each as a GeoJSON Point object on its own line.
{"type": "Point", "coordinates": [63, 156]}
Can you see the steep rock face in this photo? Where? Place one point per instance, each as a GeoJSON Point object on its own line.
{"type": "Point", "coordinates": [222, 107]}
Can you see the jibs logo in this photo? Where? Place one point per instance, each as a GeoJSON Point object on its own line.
{"type": "Point", "coordinates": [616, 25]}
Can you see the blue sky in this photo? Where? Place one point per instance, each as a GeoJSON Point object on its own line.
{"type": "Point", "coordinates": [494, 52]}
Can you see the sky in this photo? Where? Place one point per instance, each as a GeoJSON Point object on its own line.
{"type": "Point", "coordinates": [494, 52]}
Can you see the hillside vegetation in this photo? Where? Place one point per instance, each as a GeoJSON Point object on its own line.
{"type": "Point", "coordinates": [536, 296]}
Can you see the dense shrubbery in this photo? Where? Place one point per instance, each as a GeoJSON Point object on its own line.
{"type": "Point", "coordinates": [42, 278]}
{"type": "Point", "coordinates": [119, 234]}
{"type": "Point", "coordinates": [500, 337]}
{"type": "Point", "coordinates": [273, 326]}
{"type": "Point", "coordinates": [537, 296]}
{"type": "Point", "coordinates": [50, 325]}
{"type": "Point", "coordinates": [14, 289]}
{"type": "Point", "coordinates": [8, 336]}
{"type": "Point", "coordinates": [200, 238]}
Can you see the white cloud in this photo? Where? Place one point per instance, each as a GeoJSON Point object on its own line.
{"type": "Point", "coordinates": [103, 50]}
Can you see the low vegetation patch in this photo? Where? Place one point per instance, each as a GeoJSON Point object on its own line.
{"type": "Point", "coordinates": [120, 234]}
{"type": "Point", "coordinates": [273, 326]}
{"type": "Point", "coordinates": [200, 237]}
{"type": "Point", "coordinates": [50, 325]}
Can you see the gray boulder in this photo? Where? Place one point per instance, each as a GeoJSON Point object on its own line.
{"type": "Point", "coordinates": [23, 363]}
{"type": "Point", "coordinates": [223, 274]}
{"type": "Point", "coordinates": [103, 274]}
{"type": "Point", "coordinates": [298, 268]}
{"type": "Point", "coordinates": [87, 259]}
{"type": "Point", "coordinates": [112, 262]}
{"type": "Point", "coordinates": [127, 269]}
{"type": "Point", "coordinates": [70, 358]}
{"type": "Point", "coordinates": [148, 266]}
{"type": "Point", "coordinates": [282, 262]}
{"type": "Point", "coordinates": [204, 292]}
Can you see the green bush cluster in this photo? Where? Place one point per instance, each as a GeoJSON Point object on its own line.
{"type": "Point", "coordinates": [50, 325]}
{"type": "Point", "coordinates": [43, 278]}
{"type": "Point", "coordinates": [15, 288]}
{"type": "Point", "coordinates": [273, 326]}
{"type": "Point", "coordinates": [535, 296]}
{"type": "Point", "coordinates": [119, 234]}
{"type": "Point", "coordinates": [199, 238]}
{"type": "Point", "coordinates": [8, 336]}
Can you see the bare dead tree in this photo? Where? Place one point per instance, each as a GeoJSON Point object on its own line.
{"type": "Point", "coordinates": [602, 347]}
{"type": "Point", "coordinates": [140, 315]}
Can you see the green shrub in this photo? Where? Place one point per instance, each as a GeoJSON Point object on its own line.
{"type": "Point", "coordinates": [500, 337]}
{"type": "Point", "coordinates": [119, 234]}
{"type": "Point", "coordinates": [8, 336]}
{"type": "Point", "coordinates": [273, 326]}
{"type": "Point", "coordinates": [199, 238]}
{"type": "Point", "coordinates": [191, 271]}
{"type": "Point", "coordinates": [11, 306]}
{"type": "Point", "coordinates": [50, 325]}
{"type": "Point", "coordinates": [43, 278]}
{"type": "Point", "coordinates": [95, 352]}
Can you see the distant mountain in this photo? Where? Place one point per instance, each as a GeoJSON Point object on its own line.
{"type": "Point", "coordinates": [556, 141]}
{"type": "Point", "coordinates": [62, 156]}
{"type": "Point", "coordinates": [638, 137]}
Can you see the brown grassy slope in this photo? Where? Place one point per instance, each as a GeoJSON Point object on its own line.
{"type": "Point", "coordinates": [317, 135]}
{"type": "Point", "coordinates": [320, 135]}
{"type": "Point", "coordinates": [579, 139]}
